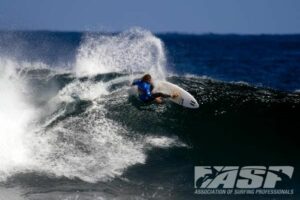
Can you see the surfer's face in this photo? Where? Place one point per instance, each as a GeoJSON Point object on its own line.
{"type": "Point", "coordinates": [148, 80]}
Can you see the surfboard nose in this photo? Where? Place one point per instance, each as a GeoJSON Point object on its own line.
{"type": "Point", "coordinates": [194, 104]}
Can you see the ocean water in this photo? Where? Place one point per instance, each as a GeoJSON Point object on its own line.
{"type": "Point", "coordinates": [69, 130]}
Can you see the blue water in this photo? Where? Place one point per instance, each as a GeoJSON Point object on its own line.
{"type": "Point", "coordinates": [267, 60]}
{"type": "Point", "coordinates": [69, 130]}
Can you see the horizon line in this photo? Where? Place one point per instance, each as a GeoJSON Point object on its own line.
{"type": "Point", "coordinates": [153, 32]}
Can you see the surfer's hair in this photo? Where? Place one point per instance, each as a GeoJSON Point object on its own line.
{"type": "Point", "coordinates": [146, 78]}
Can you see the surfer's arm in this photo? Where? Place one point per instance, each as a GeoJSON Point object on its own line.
{"type": "Point", "coordinates": [159, 94]}
{"type": "Point", "coordinates": [135, 82]}
{"type": "Point", "coordinates": [151, 87]}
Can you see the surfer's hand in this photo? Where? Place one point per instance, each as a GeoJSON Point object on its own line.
{"type": "Point", "coordinates": [174, 95]}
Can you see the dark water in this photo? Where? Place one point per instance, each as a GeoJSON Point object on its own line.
{"type": "Point", "coordinates": [87, 139]}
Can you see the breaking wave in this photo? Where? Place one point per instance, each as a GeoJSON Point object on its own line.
{"type": "Point", "coordinates": [55, 120]}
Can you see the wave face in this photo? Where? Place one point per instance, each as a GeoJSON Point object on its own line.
{"type": "Point", "coordinates": [67, 123]}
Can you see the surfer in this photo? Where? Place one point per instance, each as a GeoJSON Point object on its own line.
{"type": "Point", "coordinates": [145, 87]}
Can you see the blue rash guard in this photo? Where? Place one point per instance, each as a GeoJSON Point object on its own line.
{"type": "Point", "coordinates": [144, 90]}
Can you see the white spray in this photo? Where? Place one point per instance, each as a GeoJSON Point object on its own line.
{"type": "Point", "coordinates": [15, 117]}
{"type": "Point", "coordinates": [135, 50]}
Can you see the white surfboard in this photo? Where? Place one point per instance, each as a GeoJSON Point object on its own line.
{"type": "Point", "coordinates": [184, 98]}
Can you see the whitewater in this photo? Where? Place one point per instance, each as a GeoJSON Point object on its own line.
{"type": "Point", "coordinates": [41, 133]}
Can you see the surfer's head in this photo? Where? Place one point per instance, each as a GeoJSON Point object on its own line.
{"type": "Point", "coordinates": [147, 78]}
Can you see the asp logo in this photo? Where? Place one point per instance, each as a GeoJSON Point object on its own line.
{"type": "Point", "coordinates": [247, 177]}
